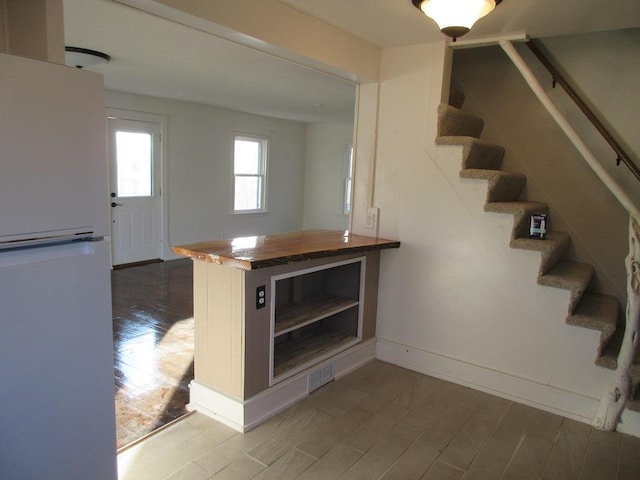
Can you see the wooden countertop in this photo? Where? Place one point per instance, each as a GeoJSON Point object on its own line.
{"type": "Point", "coordinates": [250, 253]}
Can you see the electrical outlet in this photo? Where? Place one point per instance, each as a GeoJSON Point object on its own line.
{"type": "Point", "coordinates": [261, 297]}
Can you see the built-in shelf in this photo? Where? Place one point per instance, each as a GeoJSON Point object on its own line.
{"type": "Point", "coordinates": [292, 316]}
{"type": "Point", "coordinates": [317, 313]}
{"type": "Point", "coordinates": [309, 347]}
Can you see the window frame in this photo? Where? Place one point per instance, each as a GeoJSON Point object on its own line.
{"type": "Point", "coordinates": [261, 175]}
{"type": "Point", "coordinates": [347, 179]}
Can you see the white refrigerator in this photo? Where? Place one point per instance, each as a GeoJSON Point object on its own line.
{"type": "Point", "coordinates": [57, 418]}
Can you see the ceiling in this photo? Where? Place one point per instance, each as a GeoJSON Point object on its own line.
{"type": "Point", "coordinates": [389, 23]}
{"type": "Point", "coordinates": [154, 56]}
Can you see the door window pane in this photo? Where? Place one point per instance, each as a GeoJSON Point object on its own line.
{"type": "Point", "coordinates": [133, 164]}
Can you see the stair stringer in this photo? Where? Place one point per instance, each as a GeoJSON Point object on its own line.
{"type": "Point", "coordinates": [552, 303]}
{"type": "Point", "coordinates": [585, 309]}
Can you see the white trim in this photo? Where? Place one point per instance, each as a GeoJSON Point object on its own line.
{"type": "Point", "coordinates": [521, 390]}
{"type": "Point", "coordinates": [629, 423]}
{"type": "Point", "coordinates": [216, 405]}
{"type": "Point", "coordinates": [245, 415]}
{"type": "Point", "coordinates": [346, 362]}
{"type": "Point", "coordinates": [231, 35]}
{"type": "Point", "coordinates": [487, 41]}
{"type": "Point", "coordinates": [347, 176]}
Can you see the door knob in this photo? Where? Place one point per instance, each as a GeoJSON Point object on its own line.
{"type": "Point", "coordinates": [114, 204]}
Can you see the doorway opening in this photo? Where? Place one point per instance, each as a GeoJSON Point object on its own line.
{"type": "Point", "coordinates": [152, 300]}
{"type": "Point", "coordinates": [153, 346]}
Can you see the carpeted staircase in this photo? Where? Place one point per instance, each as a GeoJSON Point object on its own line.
{"type": "Point", "coordinates": [482, 160]}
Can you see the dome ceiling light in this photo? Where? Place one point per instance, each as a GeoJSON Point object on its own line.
{"type": "Point", "coordinates": [455, 17]}
{"type": "Point", "coordinates": [84, 58]}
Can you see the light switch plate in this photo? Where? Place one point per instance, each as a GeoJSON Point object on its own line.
{"type": "Point", "coordinates": [372, 217]}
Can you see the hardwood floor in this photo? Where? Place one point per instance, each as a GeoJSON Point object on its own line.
{"type": "Point", "coordinates": [153, 345]}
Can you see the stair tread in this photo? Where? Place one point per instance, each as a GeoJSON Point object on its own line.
{"type": "Point", "coordinates": [567, 275]}
{"type": "Point", "coordinates": [598, 312]}
{"type": "Point", "coordinates": [465, 139]}
{"type": "Point", "coordinates": [516, 207]}
{"type": "Point", "coordinates": [609, 356]}
{"type": "Point", "coordinates": [553, 240]}
{"type": "Point", "coordinates": [477, 153]}
{"type": "Point", "coordinates": [445, 107]}
{"type": "Point", "coordinates": [501, 187]}
{"type": "Point", "coordinates": [521, 210]}
{"type": "Point", "coordinates": [487, 173]}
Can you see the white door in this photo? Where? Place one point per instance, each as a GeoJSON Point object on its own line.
{"type": "Point", "coordinates": [135, 190]}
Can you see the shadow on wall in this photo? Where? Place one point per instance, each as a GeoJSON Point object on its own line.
{"type": "Point", "coordinates": [556, 173]}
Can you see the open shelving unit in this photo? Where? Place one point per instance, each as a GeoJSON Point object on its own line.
{"type": "Point", "coordinates": [315, 313]}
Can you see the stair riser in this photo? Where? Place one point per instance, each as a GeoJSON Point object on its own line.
{"type": "Point", "coordinates": [505, 189]}
{"type": "Point", "coordinates": [552, 248]}
{"type": "Point", "coordinates": [572, 276]}
{"type": "Point", "coordinates": [454, 122]}
{"type": "Point", "coordinates": [477, 155]}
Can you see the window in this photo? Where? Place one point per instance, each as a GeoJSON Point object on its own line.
{"type": "Point", "coordinates": [249, 174]}
{"type": "Point", "coordinates": [348, 184]}
{"type": "Point", "coordinates": [134, 165]}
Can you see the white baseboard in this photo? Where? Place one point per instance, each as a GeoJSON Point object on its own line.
{"type": "Point", "coordinates": [245, 415]}
{"type": "Point", "coordinates": [216, 405]}
{"type": "Point", "coordinates": [629, 423]}
{"type": "Point", "coordinates": [561, 402]}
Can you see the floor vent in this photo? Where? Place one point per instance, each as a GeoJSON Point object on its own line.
{"type": "Point", "coordinates": [320, 377]}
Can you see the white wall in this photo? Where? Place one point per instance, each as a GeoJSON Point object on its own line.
{"type": "Point", "coordinates": [199, 170]}
{"type": "Point", "coordinates": [455, 301]}
{"type": "Point", "coordinates": [324, 169]}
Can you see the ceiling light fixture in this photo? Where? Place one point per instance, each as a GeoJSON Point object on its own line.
{"type": "Point", "coordinates": [455, 17]}
{"type": "Point", "coordinates": [83, 57]}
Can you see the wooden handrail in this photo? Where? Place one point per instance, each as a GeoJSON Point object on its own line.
{"type": "Point", "coordinates": [557, 77]}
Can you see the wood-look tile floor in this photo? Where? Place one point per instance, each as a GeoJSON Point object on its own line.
{"type": "Point", "coordinates": [385, 422]}
{"type": "Point", "coordinates": [153, 345]}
